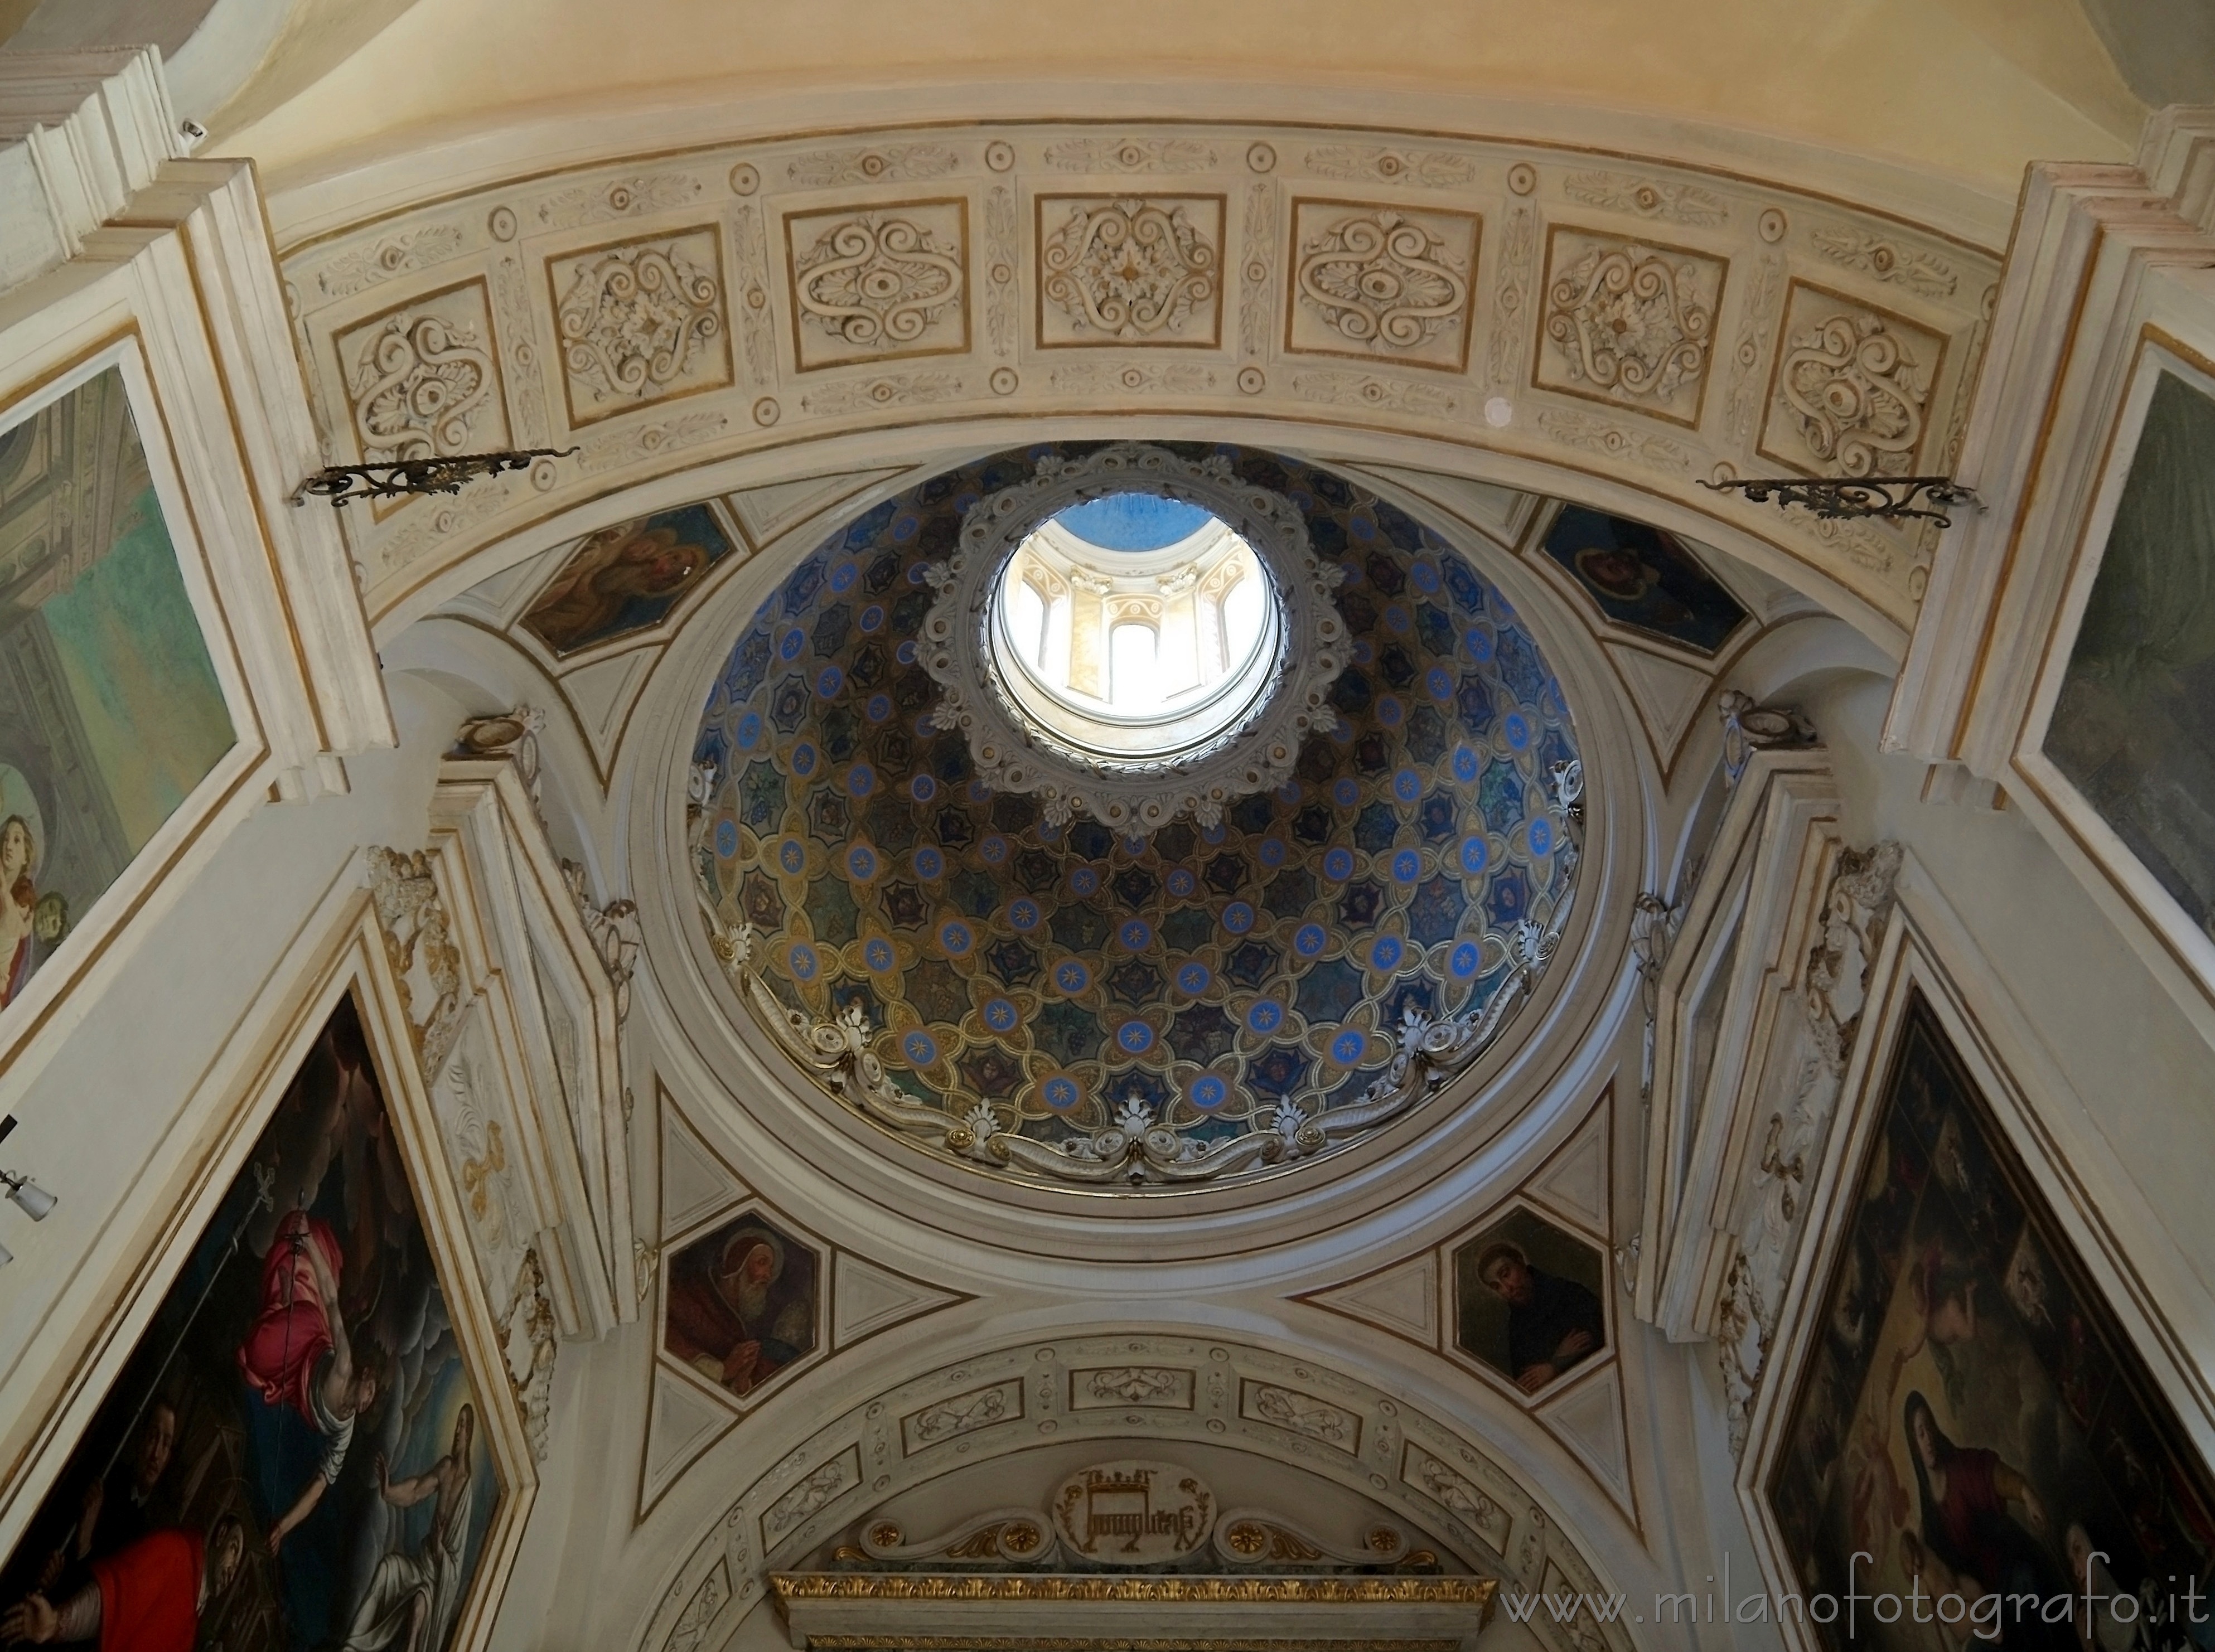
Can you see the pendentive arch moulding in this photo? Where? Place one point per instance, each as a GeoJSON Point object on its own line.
{"type": "Point", "coordinates": [1207, 1391]}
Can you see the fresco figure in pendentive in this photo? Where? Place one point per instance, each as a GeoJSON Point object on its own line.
{"type": "Point", "coordinates": [151, 1597]}
{"type": "Point", "coordinates": [1552, 1322]}
{"type": "Point", "coordinates": [411, 1598]}
{"type": "Point", "coordinates": [625, 578]}
{"type": "Point", "coordinates": [729, 1320]}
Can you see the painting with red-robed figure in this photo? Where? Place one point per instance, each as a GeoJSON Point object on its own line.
{"type": "Point", "coordinates": [292, 1458]}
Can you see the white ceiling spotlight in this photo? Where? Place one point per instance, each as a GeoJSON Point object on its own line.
{"type": "Point", "coordinates": [28, 1196]}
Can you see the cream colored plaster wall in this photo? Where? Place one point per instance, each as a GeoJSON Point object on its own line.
{"type": "Point", "coordinates": [1972, 89]}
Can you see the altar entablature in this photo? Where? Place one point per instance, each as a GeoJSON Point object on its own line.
{"type": "Point", "coordinates": [1585, 325]}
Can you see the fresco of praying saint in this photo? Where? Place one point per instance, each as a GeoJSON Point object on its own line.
{"type": "Point", "coordinates": [741, 1305]}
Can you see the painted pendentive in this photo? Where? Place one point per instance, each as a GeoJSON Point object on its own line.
{"type": "Point", "coordinates": [1643, 579]}
{"type": "Point", "coordinates": [1056, 982]}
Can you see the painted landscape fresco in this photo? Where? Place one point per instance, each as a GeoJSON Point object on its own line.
{"type": "Point", "coordinates": [294, 1458]}
{"type": "Point", "coordinates": [1975, 1420]}
{"type": "Point", "coordinates": [110, 712]}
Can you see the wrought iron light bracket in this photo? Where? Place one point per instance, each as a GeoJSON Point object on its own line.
{"type": "Point", "coordinates": [403, 478]}
{"type": "Point", "coordinates": [1890, 497]}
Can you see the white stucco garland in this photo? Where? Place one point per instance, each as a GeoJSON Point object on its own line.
{"type": "Point", "coordinates": [1015, 753]}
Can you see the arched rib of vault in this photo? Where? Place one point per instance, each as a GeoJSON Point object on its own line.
{"type": "Point", "coordinates": [706, 1039]}
{"type": "Point", "coordinates": [1777, 246]}
{"type": "Point", "coordinates": [1503, 1514]}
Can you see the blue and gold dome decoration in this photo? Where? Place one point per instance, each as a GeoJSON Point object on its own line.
{"type": "Point", "coordinates": [1069, 1004]}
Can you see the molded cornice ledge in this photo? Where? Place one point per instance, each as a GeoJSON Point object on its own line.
{"type": "Point", "coordinates": [80, 132]}
{"type": "Point", "coordinates": [392, 171]}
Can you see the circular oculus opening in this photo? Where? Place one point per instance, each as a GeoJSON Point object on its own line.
{"type": "Point", "coordinates": [1135, 629]}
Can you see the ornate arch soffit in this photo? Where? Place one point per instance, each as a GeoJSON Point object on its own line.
{"type": "Point", "coordinates": [1564, 320]}
{"type": "Point", "coordinates": [1206, 1391]}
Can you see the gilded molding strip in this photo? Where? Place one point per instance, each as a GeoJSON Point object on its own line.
{"type": "Point", "coordinates": [1297, 1591]}
{"type": "Point", "coordinates": [1110, 1643]}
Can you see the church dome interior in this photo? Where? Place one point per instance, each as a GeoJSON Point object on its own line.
{"type": "Point", "coordinates": [1234, 827]}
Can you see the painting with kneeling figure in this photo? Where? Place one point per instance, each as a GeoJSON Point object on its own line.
{"type": "Point", "coordinates": [110, 710]}
{"type": "Point", "coordinates": [293, 1456]}
{"type": "Point", "coordinates": [1972, 1419]}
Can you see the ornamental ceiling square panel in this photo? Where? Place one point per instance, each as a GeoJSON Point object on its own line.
{"type": "Point", "coordinates": [1382, 283]}
{"type": "Point", "coordinates": [1849, 395]}
{"type": "Point", "coordinates": [879, 282]}
{"type": "Point", "coordinates": [1630, 323]}
{"type": "Point", "coordinates": [1126, 270]}
{"type": "Point", "coordinates": [640, 321]}
{"type": "Point", "coordinates": [422, 380]}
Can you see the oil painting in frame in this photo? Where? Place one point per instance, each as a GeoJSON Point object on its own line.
{"type": "Point", "coordinates": [126, 727]}
{"type": "Point", "coordinates": [312, 1441]}
{"type": "Point", "coordinates": [1965, 1406]}
{"type": "Point", "coordinates": [2120, 742]}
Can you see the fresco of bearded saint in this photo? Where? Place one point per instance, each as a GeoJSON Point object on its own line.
{"type": "Point", "coordinates": [733, 1316]}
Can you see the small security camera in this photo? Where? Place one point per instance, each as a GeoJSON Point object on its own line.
{"type": "Point", "coordinates": [193, 130]}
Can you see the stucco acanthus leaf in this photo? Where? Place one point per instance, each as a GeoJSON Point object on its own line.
{"type": "Point", "coordinates": [418, 386]}
{"type": "Point", "coordinates": [1129, 269]}
{"type": "Point", "coordinates": [1857, 393]}
{"type": "Point", "coordinates": [1629, 320]}
{"type": "Point", "coordinates": [1855, 911]}
{"type": "Point", "coordinates": [877, 282]}
{"type": "Point", "coordinates": [622, 197]}
{"type": "Point", "coordinates": [1383, 280]}
{"type": "Point", "coordinates": [1431, 168]}
{"type": "Point", "coordinates": [889, 390]}
{"type": "Point", "coordinates": [1596, 435]}
{"type": "Point", "coordinates": [529, 1339]}
{"type": "Point", "coordinates": [633, 321]}
{"type": "Point", "coordinates": [1130, 154]}
{"type": "Point", "coordinates": [1684, 203]}
{"type": "Point", "coordinates": [893, 163]}
{"type": "Point", "coordinates": [1359, 391]}
{"type": "Point", "coordinates": [402, 255]}
{"type": "Point", "coordinates": [1887, 260]}
{"type": "Point", "coordinates": [419, 944]}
